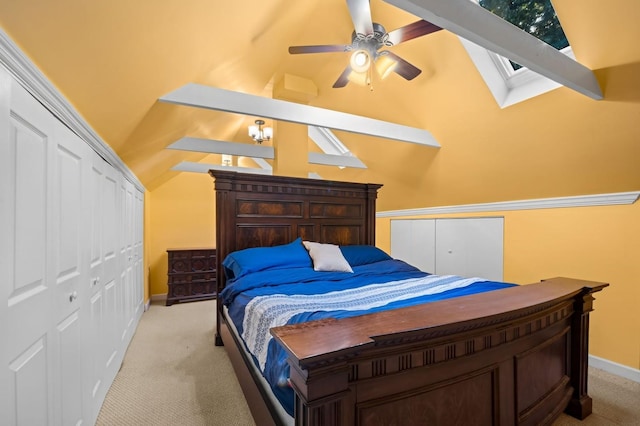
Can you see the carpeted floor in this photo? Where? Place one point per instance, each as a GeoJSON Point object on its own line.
{"type": "Point", "coordinates": [174, 375]}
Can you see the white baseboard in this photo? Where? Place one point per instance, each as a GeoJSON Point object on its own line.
{"type": "Point", "coordinates": [614, 368]}
{"type": "Point", "coordinates": [147, 305]}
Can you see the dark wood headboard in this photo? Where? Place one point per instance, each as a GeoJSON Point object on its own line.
{"type": "Point", "coordinates": [262, 211]}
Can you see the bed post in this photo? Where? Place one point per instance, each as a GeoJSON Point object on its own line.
{"type": "Point", "coordinates": [223, 186]}
{"type": "Point", "coordinates": [372, 195]}
{"type": "Point", "coordinates": [580, 405]}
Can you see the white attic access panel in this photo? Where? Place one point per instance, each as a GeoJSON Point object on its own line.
{"type": "Point", "coordinates": [469, 247]}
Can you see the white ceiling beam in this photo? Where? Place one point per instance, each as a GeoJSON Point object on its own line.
{"type": "Point", "coordinates": [262, 163]}
{"type": "Point", "coordinates": [336, 160]}
{"type": "Point", "coordinates": [220, 147]}
{"type": "Point", "coordinates": [335, 152]}
{"type": "Point", "coordinates": [474, 23]}
{"type": "Point", "coordinates": [188, 166]}
{"type": "Point", "coordinates": [328, 142]}
{"type": "Point", "coordinates": [200, 96]}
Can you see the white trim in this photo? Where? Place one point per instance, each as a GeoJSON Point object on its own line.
{"type": "Point", "coordinates": [614, 368]}
{"type": "Point", "coordinates": [540, 203]}
{"type": "Point", "coordinates": [147, 304]}
{"type": "Point", "coordinates": [506, 90]}
{"type": "Point", "coordinates": [36, 83]}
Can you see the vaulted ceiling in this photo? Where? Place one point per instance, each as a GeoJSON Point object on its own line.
{"type": "Point", "coordinates": [114, 59]}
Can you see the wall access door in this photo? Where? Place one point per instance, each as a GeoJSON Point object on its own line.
{"type": "Point", "coordinates": [470, 247]}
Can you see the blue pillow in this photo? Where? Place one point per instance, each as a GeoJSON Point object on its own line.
{"type": "Point", "coordinates": [363, 255]}
{"type": "Point", "coordinates": [243, 262]}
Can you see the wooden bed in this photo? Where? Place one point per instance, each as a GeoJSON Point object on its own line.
{"type": "Point", "coordinates": [512, 356]}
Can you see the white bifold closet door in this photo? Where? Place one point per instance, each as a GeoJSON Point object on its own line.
{"type": "Point", "coordinates": [71, 248]}
{"type": "Point", "coordinates": [470, 247]}
{"type": "Point", "coordinates": [43, 218]}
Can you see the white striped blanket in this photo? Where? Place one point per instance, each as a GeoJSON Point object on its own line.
{"type": "Point", "coordinates": [265, 312]}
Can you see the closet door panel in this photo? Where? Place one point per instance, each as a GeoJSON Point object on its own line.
{"type": "Point", "coordinates": [6, 245]}
{"type": "Point", "coordinates": [138, 254]}
{"type": "Point", "coordinates": [69, 394]}
{"type": "Point", "coordinates": [28, 294]}
{"type": "Point", "coordinates": [110, 274]}
{"type": "Point", "coordinates": [110, 224]}
{"type": "Point", "coordinates": [72, 254]}
{"type": "Point", "coordinates": [471, 247]}
{"type": "Point", "coordinates": [413, 240]}
{"type": "Point", "coordinates": [31, 402]}
{"type": "Point", "coordinates": [96, 355]}
{"type": "Point", "coordinates": [97, 232]}
{"type": "Point", "coordinates": [69, 218]}
{"type": "Point", "coordinates": [111, 331]}
{"type": "Point", "coordinates": [125, 255]}
{"type": "Point", "coordinates": [102, 340]}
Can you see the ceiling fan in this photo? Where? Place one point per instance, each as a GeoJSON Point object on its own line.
{"type": "Point", "coordinates": [367, 39]}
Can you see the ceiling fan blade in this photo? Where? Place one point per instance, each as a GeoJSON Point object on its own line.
{"type": "Point", "coordinates": [411, 31]}
{"type": "Point", "coordinates": [322, 48]}
{"type": "Point", "coordinates": [343, 79]}
{"type": "Point", "coordinates": [360, 11]}
{"type": "Point", "coordinates": [404, 68]}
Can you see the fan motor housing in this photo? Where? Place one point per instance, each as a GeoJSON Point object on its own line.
{"type": "Point", "coordinates": [370, 42]}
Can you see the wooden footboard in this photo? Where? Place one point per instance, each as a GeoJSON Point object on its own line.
{"type": "Point", "coordinates": [512, 356]}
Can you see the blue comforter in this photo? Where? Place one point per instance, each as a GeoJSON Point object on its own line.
{"type": "Point", "coordinates": [261, 300]}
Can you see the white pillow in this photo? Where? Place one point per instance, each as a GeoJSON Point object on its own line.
{"type": "Point", "coordinates": [327, 257]}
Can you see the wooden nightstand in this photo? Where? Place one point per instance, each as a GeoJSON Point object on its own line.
{"type": "Point", "coordinates": [191, 274]}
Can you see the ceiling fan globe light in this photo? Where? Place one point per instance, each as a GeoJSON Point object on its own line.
{"type": "Point", "coordinates": [360, 61]}
{"type": "Point", "coordinates": [385, 66]}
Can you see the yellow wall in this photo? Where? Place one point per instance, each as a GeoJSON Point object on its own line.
{"type": "Point", "coordinates": [182, 216]}
{"type": "Point", "coordinates": [593, 243]}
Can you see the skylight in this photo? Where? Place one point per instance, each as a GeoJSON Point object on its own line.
{"type": "Point", "coordinates": [537, 17]}
{"type": "Point", "coordinates": [509, 82]}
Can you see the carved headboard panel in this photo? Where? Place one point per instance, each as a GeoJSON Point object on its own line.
{"type": "Point", "coordinates": [262, 211]}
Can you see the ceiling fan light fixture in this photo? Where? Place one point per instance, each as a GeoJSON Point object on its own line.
{"type": "Point", "coordinates": [360, 60]}
{"type": "Point", "coordinates": [385, 66]}
{"type": "Point", "coordinates": [361, 78]}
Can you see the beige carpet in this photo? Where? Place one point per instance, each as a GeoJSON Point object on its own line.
{"type": "Point", "coordinates": [174, 375]}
